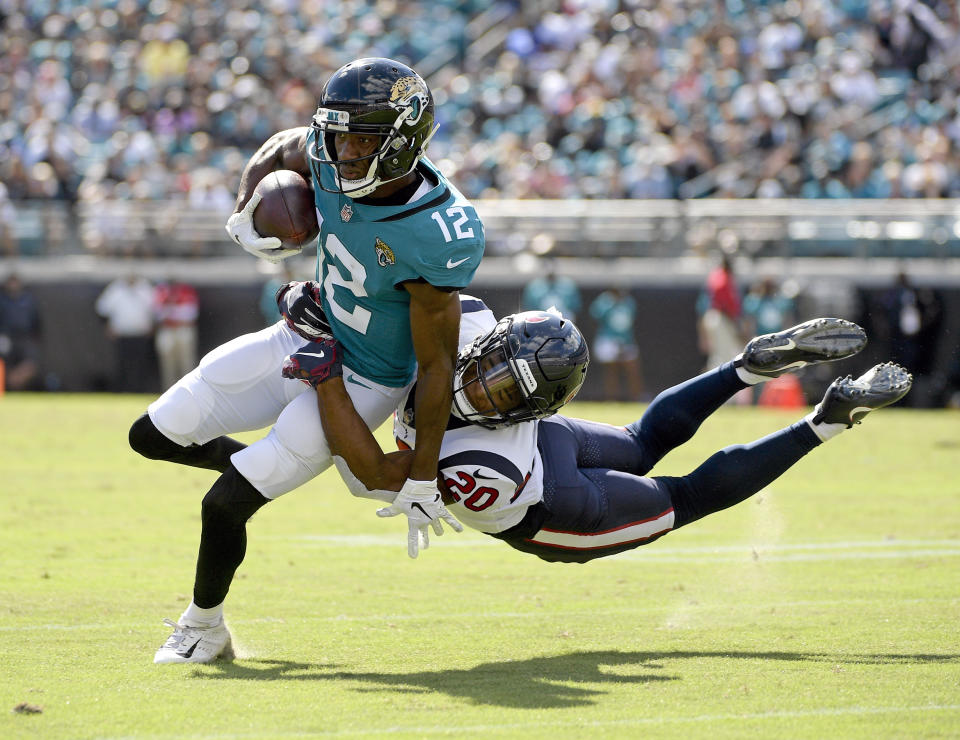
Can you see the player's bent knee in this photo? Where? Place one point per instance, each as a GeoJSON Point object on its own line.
{"type": "Point", "coordinates": [686, 500]}
{"type": "Point", "coordinates": [178, 413]}
{"type": "Point", "coordinates": [260, 464]}
{"type": "Point", "coordinates": [146, 439]}
{"type": "Point", "coordinates": [275, 470]}
{"type": "Point", "coordinates": [231, 500]}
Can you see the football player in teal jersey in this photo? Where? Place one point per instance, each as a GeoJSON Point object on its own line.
{"type": "Point", "coordinates": [397, 243]}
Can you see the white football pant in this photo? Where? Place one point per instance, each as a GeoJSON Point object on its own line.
{"type": "Point", "coordinates": [238, 387]}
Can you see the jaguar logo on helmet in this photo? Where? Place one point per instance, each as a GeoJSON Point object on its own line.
{"type": "Point", "coordinates": [385, 255]}
{"type": "Point", "coordinates": [409, 92]}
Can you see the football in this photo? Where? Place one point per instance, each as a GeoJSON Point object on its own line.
{"type": "Point", "coordinates": [286, 209]}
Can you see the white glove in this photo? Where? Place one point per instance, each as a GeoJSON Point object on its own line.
{"type": "Point", "coordinates": [240, 228]}
{"type": "Point", "coordinates": [356, 487]}
{"type": "Point", "coordinates": [420, 501]}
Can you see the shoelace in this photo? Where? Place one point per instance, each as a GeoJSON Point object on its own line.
{"type": "Point", "coordinates": [179, 634]}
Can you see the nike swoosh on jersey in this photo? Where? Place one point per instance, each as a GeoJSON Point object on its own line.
{"type": "Point", "coordinates": [318, 355]}
{"type": "Point", "coordinates": [451, 264]}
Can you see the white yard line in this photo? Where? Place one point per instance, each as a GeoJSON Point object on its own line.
{"type": "Point", "coordinates": [473, 616]}
{"type": "Point", "coordinates": [771, 553]}
{"type": "Point", "coordinates": [767, 553]}
{"type": "Point", "coordinates": [376, 540]}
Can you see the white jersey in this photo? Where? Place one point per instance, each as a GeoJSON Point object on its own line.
{"type": "Point", "coordinates": [492, 475]}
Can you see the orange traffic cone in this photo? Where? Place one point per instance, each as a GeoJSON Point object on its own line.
{"type": "Point", "coordinates": [783, 392]}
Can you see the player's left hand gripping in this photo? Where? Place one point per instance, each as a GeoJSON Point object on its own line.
{"type": "Point", "coordinates": [314, 362]}
{"type": "Point", "coordinates": [420, 501]}
{"type": "Point", "coordinates": [240, 228]}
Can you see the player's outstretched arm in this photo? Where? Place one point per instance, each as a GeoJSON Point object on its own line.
{"type": "Point", "coordinates": [435, 329]}
{"type": "Point", "coordinates": [350, 438]}
{"type": "Point", "coordinates": [318, 363]}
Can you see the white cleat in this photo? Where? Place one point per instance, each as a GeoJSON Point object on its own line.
{"type": "Point", "coordinates": [195, 644]}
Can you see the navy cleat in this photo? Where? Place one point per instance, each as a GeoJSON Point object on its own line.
{"type": "Point", "coordinates": [847, 401]}
{"type": "Point", "coordinates": [817, 340]}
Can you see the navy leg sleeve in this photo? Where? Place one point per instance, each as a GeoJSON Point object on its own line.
{"type": "Point", "coordinates": [736, 473]}
{"type": "Point", "coordinates": [677, 413]}
{"type": "Point", "coordinates": [589, 512]}
{"type": "Point", "coordinates": [668, 422]}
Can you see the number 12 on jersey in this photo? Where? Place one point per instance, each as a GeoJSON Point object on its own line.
{"type": "Point", "coordinates": [453, 213]}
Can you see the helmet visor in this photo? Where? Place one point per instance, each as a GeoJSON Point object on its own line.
{"type": "Point", "coordinates": [499, 383]}
{"type": "Point", "coordinates": [487, 392]}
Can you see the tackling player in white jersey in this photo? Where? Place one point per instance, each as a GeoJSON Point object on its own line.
{"type": "Point", "coordinates": [397, 243]}
{"type": "Point", "coordinates": [571, 490]}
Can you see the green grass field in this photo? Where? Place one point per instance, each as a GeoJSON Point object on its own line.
{"type": "Point", "coordinates": [826, 606]}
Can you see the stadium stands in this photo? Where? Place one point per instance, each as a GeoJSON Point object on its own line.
{"type": "Point", "coordinates": [163, 99]}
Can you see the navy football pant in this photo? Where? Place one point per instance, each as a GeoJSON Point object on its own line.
{"type": "Point", "coordinates": [596, 498]}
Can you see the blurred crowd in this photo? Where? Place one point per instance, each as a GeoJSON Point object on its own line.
{"type": "Point", "coordinates": [166, 99]}
{"type": "Point", "coordinates": [821, 98]}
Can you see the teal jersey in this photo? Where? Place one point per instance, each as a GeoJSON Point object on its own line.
{"type": "Point", "coordinates": [365, 253]}
{"type": "Point", "coordinates": [542, 293]}
{"type": "Point", "coordinates": [615, 317]}
{"type": "Point", "coordinates": [769, 312]}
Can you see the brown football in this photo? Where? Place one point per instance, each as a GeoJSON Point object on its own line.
{"type": "Point", "coordinates": [286, 209]}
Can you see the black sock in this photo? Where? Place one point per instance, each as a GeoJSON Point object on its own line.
{"type": "Point", "coordinates": [736, 473]}
{"type": "Point", "coordinates": [227, 507]}
{"type": "Point", "coordinates": [150, 442]}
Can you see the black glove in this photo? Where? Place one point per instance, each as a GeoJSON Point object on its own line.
{"type": "Point", "coordinates": [314, 363]}
{"type": "Point", "coordinates": [299, 304]}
